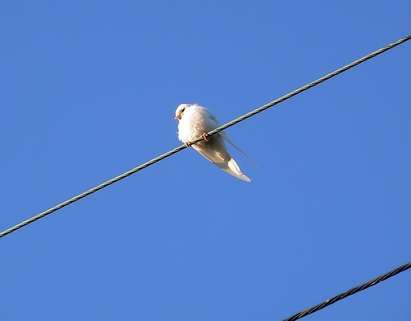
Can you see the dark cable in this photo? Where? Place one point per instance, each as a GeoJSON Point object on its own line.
{"type": "Point", "coordinates": [349, 292]}
{"type": "Point", "coordinates": [213, 132]}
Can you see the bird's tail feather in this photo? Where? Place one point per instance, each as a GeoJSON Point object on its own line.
{"type": "Point", "coordinates": [234, 170]}
{"type": "Point", "coordinates": [246, 156]}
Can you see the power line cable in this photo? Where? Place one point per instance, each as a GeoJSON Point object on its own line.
{"type": "Point", "coordinates": [213, 132]}
{"type": "Point", "coordinates": [349, 292]}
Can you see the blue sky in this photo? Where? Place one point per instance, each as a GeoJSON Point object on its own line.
{"type": "Point", "coordinates": [89, 90]}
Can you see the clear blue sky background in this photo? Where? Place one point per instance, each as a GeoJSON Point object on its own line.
{"type": "Point", "coordinates": [89, 89]}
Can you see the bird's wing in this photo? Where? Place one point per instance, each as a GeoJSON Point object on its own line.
{"type": "Point", "coordinates": [227, 139]}
{"type": "Point", "coordinates": [215, 151]}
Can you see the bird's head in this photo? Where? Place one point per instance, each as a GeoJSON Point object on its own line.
{"type": "Point", "coordinates": [180, 110]}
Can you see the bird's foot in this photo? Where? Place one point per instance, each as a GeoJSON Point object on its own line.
{"type": "Point", "coordinates": [205, 137]}
{"type": "Point", "coordinates": [188, 144]}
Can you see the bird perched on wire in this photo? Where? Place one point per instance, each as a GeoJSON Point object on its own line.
{"type": "Point", "coordinates": [195, 121]}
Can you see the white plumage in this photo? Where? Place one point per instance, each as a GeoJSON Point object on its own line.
{"type": "Point", "coordinates": [195, 121]}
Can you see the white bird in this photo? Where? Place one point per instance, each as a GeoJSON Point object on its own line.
{"type": "Point", "coordinates": [195, 121]}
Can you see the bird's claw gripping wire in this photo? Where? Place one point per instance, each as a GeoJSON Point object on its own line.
{"type": "Point", "coordinates": [204, 136]}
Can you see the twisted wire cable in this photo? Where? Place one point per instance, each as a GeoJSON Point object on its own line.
{"type": "Point", "coordinates": [349, 292]}
{"type": "Point", "coordinates": [213, 132]}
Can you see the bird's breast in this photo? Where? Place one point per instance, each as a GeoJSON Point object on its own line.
{"type": "Point", "coordinates": [192, 125]}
